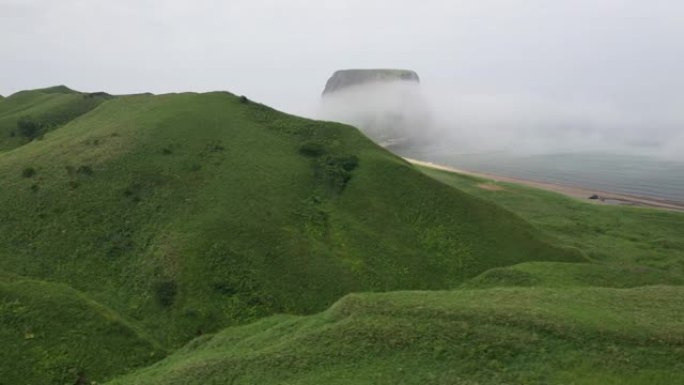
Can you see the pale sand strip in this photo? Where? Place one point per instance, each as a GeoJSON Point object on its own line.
{"type": "Point", "coordinates": [575, 192]}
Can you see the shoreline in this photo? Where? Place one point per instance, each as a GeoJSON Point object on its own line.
{"type": "Point", "coordinates": [603, 197]}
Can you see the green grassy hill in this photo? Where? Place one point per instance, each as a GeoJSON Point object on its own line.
{"type": "Point", "coordinates": [27, 115]}
{"type": "Point", "coordinates": [141, 227]}
{"type": "Point", "coordinates": [629, 245]}
{"type": "Point", "coordinates": [186, 213]}
{"type": "Point", "coordinates": [495, 336]}
{"type": "Point", "coordinates": [51, 333]}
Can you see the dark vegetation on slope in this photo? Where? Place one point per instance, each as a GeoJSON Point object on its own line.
{"type": "Point", "coordinates": [186, 213]}
{"type": "Point", "coordinates": [28, 115]}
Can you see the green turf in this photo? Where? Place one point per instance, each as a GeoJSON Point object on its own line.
{"type": "Point", "coordinates": [639, 242]}
{"type": "Point", "coordinates": [46, 109]}
{"type": "Point", "coordinates": [563, 331]}
{"type": "Point", "coordinates": [135, 224]}
{"type": "Point", "coordinates": [50, 333]}
{"type": "Point", "coordinates": [554, 274]}
{"type": "Point", "coordinates": [186, 213]}
{"type": "Point", "coordinates": [494, 336]}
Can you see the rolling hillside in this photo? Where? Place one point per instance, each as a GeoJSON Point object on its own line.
{"type": "Point", "coordinates": [630, 246]}
{"type": "Point", "coordinates": [28, 115]}
{"type": "Point", "coordinates": [185, 213]}
{"type": "Point", "coordinates": [496, 336]}
{"type": "Point", "coordinates": [53, 334]}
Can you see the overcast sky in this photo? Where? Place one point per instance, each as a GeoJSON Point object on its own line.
{"type": "Point", "coordinates": [626, 56]}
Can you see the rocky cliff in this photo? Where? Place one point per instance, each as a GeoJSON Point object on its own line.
{"type": "Point", "coordinates": [346, 78]}
{"type": "Point", "coordinates": [386, 104]}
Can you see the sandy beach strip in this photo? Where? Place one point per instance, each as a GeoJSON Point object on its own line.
{"type": "Point", "coordinates": [572, 191]}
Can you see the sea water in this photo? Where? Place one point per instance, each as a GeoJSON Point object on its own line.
{"type": "Point", "coordinates": [637, 175]}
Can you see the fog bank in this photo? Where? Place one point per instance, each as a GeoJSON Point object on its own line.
{"type": "Point", "coordinates": [479, 122]}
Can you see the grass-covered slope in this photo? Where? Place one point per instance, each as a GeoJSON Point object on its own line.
{"type": "Point", "coordinates": [150, 220]}
{"type": "Point", "coordinates": [629, 245]}
{"type": "Point", "coordinates": [496, 336]}
{"type": "Point", "coordinates": [556, 274]}
{"type": "Point", "coordinates": [52, 334]}
{"type": "Point", "coordinates": [567, 326]}
{"type": "Point", "coordinates": [27, 115]}
{"type": "Point", "coordinates": [190, 212]}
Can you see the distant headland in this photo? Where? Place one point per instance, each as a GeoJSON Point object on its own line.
{"type": "Point", "coordinates": [353, 77]}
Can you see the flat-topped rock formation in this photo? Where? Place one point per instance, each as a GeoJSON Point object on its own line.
{"type": "Point", "coordinates": [386, 104]}
{"type": "Point", "coordinates": [347, 78]}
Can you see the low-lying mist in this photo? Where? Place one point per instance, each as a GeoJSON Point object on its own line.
{"type": "Point", "coordinates": [385, 111]}
{"type": "Point", "coordinates": [520, 124]}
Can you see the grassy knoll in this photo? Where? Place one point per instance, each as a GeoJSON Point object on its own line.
{"type": "Point", "coordinates": [28, 115]}
{"type": "Point", "coordinates": [51, 333]}
{"type": "Point", "coordinates": [494, 336]}
{"type": "Point", "coordinates": [187, 213]}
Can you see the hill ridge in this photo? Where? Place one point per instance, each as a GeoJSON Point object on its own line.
{"type": "Point", "coordinates": [188, 213]}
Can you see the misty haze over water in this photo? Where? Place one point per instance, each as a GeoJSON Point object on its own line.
{"type": "Point", "coordinates": [595, 147]}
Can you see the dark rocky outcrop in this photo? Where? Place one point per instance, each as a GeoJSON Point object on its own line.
{"type": "Point", "coordinates": [347, 78]}
{"type": "Point", "coordinates": [385, 104]}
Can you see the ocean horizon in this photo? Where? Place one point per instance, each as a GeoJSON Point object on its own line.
{"type": "Point", "coordinates": [636, 175]}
